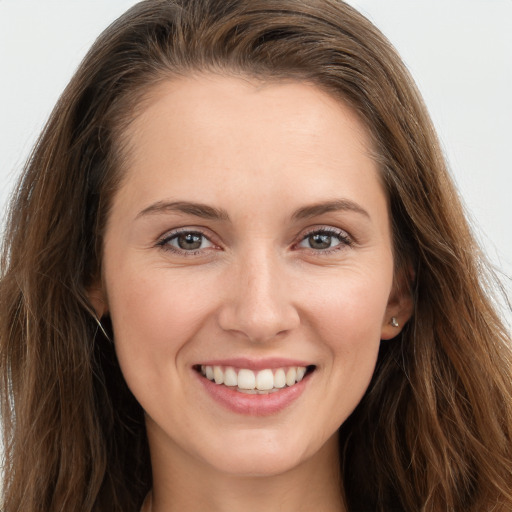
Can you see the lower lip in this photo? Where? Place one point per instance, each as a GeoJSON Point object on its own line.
{"type": "Point", "coordinates": [254, 405]}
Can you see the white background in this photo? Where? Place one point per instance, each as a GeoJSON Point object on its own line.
{"type": "Point", "coordinates": [459, 51]}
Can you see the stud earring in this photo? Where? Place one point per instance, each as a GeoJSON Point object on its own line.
{"type": "Point", "coordinates": [394, 322]}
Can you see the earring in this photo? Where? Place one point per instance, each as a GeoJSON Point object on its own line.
{"type": "Point", "coordinates": [394, 322]}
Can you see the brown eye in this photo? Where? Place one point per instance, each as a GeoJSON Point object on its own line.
{"type": "Point", "coordinates": [325, 239]}
{"type": "Point", "coordinates": [189, 241]}
{"type": "Point", "coordinates": [186, 241]}
{"type": "Point", "coordinates": [320, 241]}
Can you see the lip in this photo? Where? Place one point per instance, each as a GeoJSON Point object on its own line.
{"type": "Point", "coordinates": [249, 404]}
{"type": "Point", "coordinates": [255, 364]}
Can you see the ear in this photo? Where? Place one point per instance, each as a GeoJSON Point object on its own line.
{"type": "Point", "coordinates": [97, 298]}
{"type": "Point", "coordinates": [400, 306]}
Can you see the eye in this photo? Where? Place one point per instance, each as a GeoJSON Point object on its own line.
{"type": "Point", "coordinates": [186, 241]}
{"type": "Point", "coordinates": [325, 239]}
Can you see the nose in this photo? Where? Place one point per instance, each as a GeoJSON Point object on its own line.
{"type": "Point", "coordinates": [258, 304]}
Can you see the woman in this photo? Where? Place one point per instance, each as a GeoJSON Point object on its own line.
{"type": "Point", "coordinates": [237, 274]}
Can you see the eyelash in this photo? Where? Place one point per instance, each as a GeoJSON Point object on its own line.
{"type": "Point", "coordinates": [165, 245]}
{"type": "Point", "coordinates": [344, 239]}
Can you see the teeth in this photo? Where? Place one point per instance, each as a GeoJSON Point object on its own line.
{"type": "Point", "coordinates": [230, 377]}
{"type": "Point", "coordinates": [250, 382]}
{"type": "Point", "coordinates": [291, 375]}
{"type": "Point", "coordinates": [246, 379]}
{"type": "Point", "coordinates": [265, 380]}
{"type": "Point", "coordinates": [248, 391]}
{"type": "Point", "coordinates": [218, 375]}
{"type": "Point", "coordinates": [279, 379]}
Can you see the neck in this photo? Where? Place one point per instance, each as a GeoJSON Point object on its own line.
{"type": "Point", "coordinates": [181, 483]}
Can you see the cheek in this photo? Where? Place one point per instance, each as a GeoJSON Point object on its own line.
{"type": "Point", "coordinates": [350, 306]}
{"type": "Point", "coordinates": [154, 316]}
{"type": "Point", "coordinates": [347, 319]}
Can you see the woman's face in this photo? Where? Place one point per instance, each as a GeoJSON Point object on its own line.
{"type": "Point", "coordinates": [250, 241]}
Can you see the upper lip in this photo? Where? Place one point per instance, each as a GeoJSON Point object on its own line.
{"type": "Point", "coordinates": [255, 364]}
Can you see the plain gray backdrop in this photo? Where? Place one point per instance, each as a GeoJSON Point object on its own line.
{"type": "Point", "coordinates": [459, 51]}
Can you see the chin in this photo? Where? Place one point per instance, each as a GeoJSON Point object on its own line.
{"type": "Point", "coordinates": [257, 466]}
{"type": "Point", "coordinates": [259, 455]}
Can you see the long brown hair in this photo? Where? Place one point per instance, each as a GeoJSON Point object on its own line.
{"type": "Point", "coordinates": [434, 430]}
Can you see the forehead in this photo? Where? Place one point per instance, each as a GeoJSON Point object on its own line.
{"type": "Point", "coordinates": [211, 101]}
{"type": "Point", "coordinates": [200, 129]}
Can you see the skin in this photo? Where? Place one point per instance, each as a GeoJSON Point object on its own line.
{"type": "Point", "coordinates": [255, 288]}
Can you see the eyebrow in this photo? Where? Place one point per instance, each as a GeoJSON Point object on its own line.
{"type": "Point", "coordinates": [329, 206]}
{"type": "Point", "coordinates": [197, 209]}
{"type": "Point", "coordinates": [208, 212]}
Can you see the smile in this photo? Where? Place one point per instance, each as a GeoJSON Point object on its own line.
{"type": "Point", "coordinates": [257, 388]}
{"type": "Point", "coordinates": [264, 381]}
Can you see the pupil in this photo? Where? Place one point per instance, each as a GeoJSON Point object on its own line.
{"type": "Point", "coordinates": [189, 241]}
{"type": "Point", "coordinates": [319, 241]}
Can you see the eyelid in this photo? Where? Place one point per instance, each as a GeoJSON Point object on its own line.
{"type": "Point", "coordinates": [162, 240]}
{"type": "Point", "coordinates": [345, 238]}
